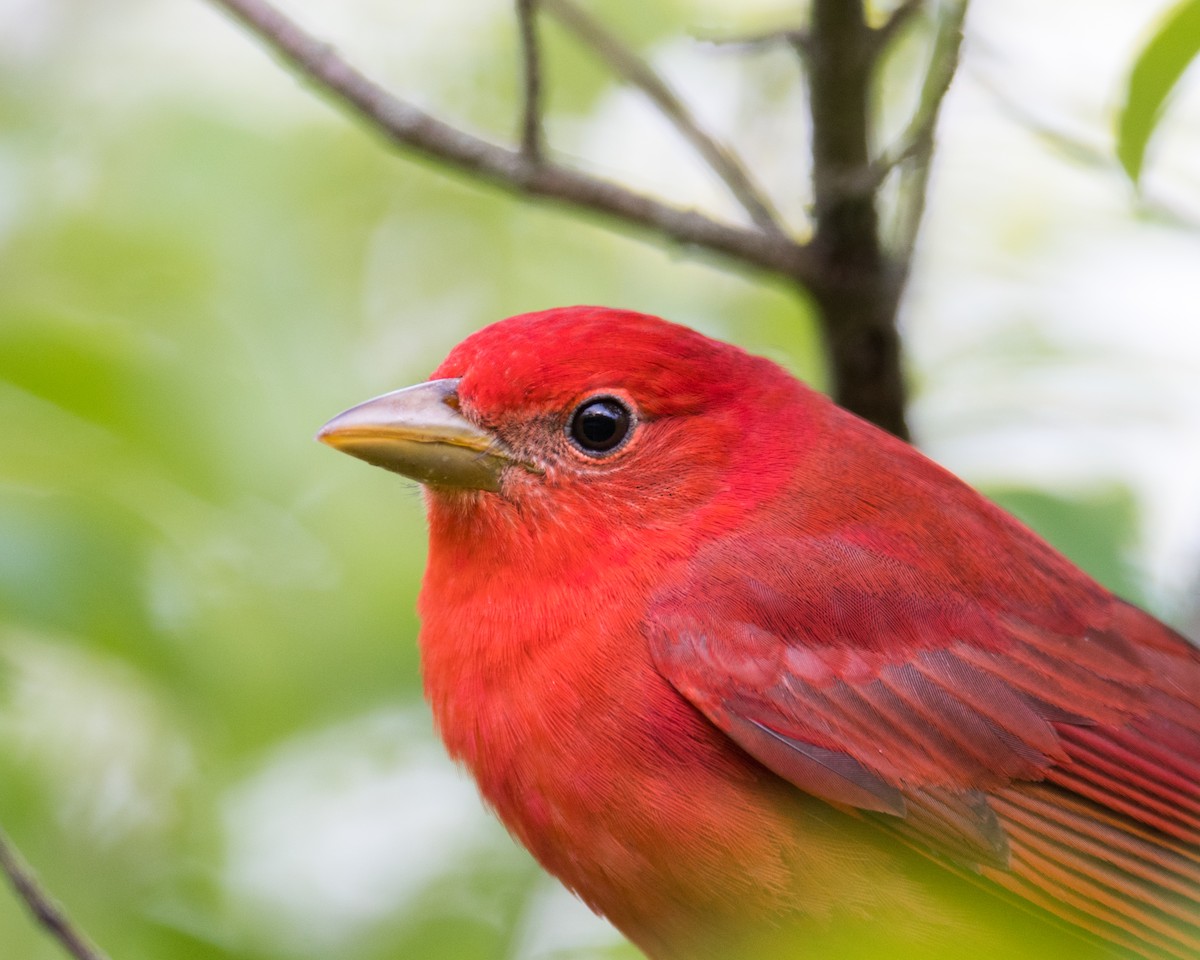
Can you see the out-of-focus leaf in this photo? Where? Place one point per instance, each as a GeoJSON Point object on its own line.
{"type": "Point", "coordinates": [1155, 73]}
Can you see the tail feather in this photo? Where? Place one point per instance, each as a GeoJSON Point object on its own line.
{"type": "Point", "coordinates": [1109, 840]}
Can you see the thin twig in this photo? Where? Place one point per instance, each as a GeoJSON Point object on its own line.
{"type": "Point", "coordinates": [634, 70]}
{"type": "Point", "coordinates": [409, 127]}
{"type": "Point", "coordinates": [905, 148]}
{"type": "Point", "coordinates": [42, 906]}
{"type": "Point", "coordinates": [918, 141]}
{"type": "Point", "coordinates": [531, 116]}
{"type": "Point", "coordinates": [885, 33]}
{"type": "Point", "coordinates": [753, 41]}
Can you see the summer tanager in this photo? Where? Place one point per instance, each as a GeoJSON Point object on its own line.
{"type": "Point", "coordinates": [756, 679]}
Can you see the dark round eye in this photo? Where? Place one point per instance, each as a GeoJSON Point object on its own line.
{"type": "Point", "coordinates": [600, 425]}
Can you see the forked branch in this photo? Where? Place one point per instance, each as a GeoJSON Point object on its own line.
{"type": "Point", "coordinates": [634, 70]}
{"type": "Point", "coordinates": [410, 127]}
{"type": "Point", "coordinates": [854, 277]}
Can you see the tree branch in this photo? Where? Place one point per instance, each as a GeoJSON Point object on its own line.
{"type": "Point", "coordinates": [42, 906]}
{"type": "Point", "coordinates": [409, 127]}
{"type": "Point", "coordinates": [918, 141]}
{"type": "Point", "coordinates": [634, 70]}
{"type": "Point", "coordinates": [841, 61]}
{"type": "Point", "coordinates": [858, 286]}
{"type": "Point", "coordinates": [531, 114]}
{"type": "Point", "coordinates": [884, 34]}
{"type": "Point", "coordinates": [755, 41]}
{"type": "Point", "coordinates": [854, 279]}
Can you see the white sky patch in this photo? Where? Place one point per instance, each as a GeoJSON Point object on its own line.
{"type": "Point", "coordinates": [339, 830]}
{"type": "Point", "coordinates": [558, 924]}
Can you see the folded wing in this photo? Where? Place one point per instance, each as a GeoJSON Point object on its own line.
{"type": "Point", "coordinates": [1055, 748]}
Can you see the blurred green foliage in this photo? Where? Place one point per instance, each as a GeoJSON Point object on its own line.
{"type": "Point", "coordinates": [190, 588]}
{"type": "Point", "coordinates": [199, 605]}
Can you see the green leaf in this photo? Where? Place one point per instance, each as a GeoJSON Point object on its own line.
{"type": "Point", "coordinates": [1155, 73]}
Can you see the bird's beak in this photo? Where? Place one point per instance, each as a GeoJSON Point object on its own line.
{"type": "Point", "coordinates": [419, 433]}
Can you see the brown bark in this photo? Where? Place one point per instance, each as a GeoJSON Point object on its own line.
{"type": "Point", "coordinates": [856, 286]}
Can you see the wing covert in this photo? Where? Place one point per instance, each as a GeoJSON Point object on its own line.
{"type": "Point", "coordinates": [851, 676]}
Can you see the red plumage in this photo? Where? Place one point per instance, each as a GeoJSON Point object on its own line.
{"type": "Point", "coordinates": [765, 678]}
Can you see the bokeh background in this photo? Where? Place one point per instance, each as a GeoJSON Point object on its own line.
{"type": "Point", "coordinates": [212, 741]}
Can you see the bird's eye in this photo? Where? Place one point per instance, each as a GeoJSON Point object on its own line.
{"type": "Point", "coordinates": [600, 425]}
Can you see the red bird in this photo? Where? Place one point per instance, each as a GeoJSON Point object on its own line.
{"type": "Point", "coordinates": [756, 679]}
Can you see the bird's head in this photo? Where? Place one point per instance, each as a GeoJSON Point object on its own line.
{"type": "Point", "coordinates": [589, 408]}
